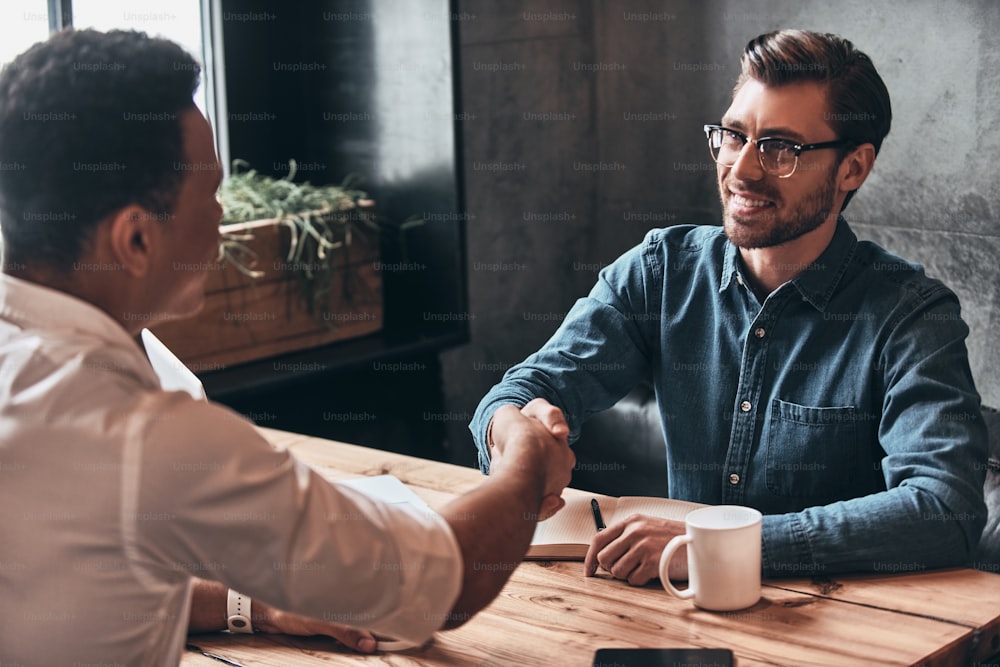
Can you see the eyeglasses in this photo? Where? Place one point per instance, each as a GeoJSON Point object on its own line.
{"type": "Point", "coordinates": [778, 157]}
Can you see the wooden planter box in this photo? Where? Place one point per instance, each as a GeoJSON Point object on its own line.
{"type": "Point", "coordinates": [246, 319]}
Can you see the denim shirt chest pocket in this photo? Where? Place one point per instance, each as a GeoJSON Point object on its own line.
{"type": "Point", "coordinates": [810, 451]}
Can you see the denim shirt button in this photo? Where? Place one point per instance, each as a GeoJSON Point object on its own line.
{"type": "Point", "coordinates": [745, 406]}
{"type": "Point", "coordinates": [734, 479]}
{"type": "Point", "coordinates": [759, 333]}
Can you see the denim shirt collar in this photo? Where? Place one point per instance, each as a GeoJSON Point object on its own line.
{"type": "Point", "coordinates": [818, 281]}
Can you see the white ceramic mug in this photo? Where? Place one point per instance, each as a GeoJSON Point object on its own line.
{"type": "Point", "coordinates": [723, 549]}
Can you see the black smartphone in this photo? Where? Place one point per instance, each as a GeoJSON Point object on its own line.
{"type": "Point", "coordinates": [663, 657]}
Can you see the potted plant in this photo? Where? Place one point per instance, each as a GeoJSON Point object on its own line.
{"type": "Point", "coordinates": [298, 268]}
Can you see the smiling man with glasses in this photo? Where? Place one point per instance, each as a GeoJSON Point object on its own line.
{"type": "Point", "coordinates": [797, 370]}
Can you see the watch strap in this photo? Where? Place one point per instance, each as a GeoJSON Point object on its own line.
{"type": "Point", "coordinates": [238, 614]}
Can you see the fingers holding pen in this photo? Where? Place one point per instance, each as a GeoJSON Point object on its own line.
{"type": "Point", "coordinates": [601, 540]}
{"type": "Point", "coordinates": [630, 549]}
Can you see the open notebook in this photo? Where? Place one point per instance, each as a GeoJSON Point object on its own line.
{"type": "Point", "coordinates": [567, 535]}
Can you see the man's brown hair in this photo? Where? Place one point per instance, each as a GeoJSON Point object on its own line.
{"type": "Point", "coordinates": [858, 101]}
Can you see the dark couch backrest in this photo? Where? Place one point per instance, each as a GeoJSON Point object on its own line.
{"type": "Point", "coordinates": [621, 451]}
{"type": "Point", "coordinates": [988, 556]}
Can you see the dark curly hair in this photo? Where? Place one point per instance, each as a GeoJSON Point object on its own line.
{"type": "Point", "coordinates": [89, 124]}
{"type": "Point", "coordinates": [859, 107]}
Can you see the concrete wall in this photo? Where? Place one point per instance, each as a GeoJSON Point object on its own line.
{"type": "Point", "coordinates": [583, 130]}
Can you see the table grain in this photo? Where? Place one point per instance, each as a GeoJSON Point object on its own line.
{"type": "Point", "coordinates": [550, 614]}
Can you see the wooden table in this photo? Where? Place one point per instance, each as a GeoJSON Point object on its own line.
{"type": "Point", "coordinates": [549, 614]}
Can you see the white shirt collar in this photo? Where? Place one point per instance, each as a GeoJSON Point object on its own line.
{"type": "Point", "coordinates": [31, 306]}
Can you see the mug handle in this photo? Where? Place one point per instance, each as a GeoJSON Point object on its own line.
{"type": "Point", "coordinates": [668, 553]}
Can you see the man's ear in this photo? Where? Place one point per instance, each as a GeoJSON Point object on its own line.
{"type": "Point", "coordinates": [132, 235]}
{"type": "Point", "coordinates": [855, 167]}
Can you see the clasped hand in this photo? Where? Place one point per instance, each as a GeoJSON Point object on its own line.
{"type": "Point", "coordinates": [534, 436]}
{"type": "Point", "coordinates": [628, 549]}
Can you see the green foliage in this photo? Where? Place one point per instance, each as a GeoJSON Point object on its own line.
{"type": "Point", "coordinates": [320, 219]}
{"type": "Point", "coordinates": [247, 195]}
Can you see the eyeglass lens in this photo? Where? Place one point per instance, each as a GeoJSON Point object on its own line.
{"type": "Point", "coordinates": [776, 155]}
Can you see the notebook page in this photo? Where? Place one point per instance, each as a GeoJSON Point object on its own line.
{"type": "Point", "coordinates": [665, 508]}
{"type": "Point", "coordinates": [573, 524]}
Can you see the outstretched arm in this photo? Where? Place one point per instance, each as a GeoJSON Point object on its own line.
{"type": "Point", "coordinates": [493, 525]}
{"type": "Point", "coordinates": [208, 614]}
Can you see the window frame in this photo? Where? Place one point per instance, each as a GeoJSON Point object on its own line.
{"type": "Point", "coordinates": [213, 75]}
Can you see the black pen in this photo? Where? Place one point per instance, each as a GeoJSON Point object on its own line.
{"type": "Point", "coordinates": [213, 656]}
{"type": "Point", "coordinates": [598, 519]}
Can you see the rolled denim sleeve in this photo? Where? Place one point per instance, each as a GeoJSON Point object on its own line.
{"type": "Point", "coordinates": [600, 351]}
{"type": "Point", "coordinates": [934, 438]}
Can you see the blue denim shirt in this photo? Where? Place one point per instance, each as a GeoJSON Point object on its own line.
{"type": "Point", "coordinates": [843, 407]}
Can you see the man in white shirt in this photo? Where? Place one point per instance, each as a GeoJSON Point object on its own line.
{"type": "Point", "coordinates": [114, 493]}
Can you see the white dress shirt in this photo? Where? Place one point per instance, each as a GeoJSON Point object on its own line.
{"type": "Point", "coordinates": [114, 493]}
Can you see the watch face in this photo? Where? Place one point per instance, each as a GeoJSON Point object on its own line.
{"type": "Point", "coordinates": [239, 622]}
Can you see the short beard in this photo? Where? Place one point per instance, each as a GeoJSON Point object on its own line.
{"type": "Point", "coordinates": [806, 217]}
